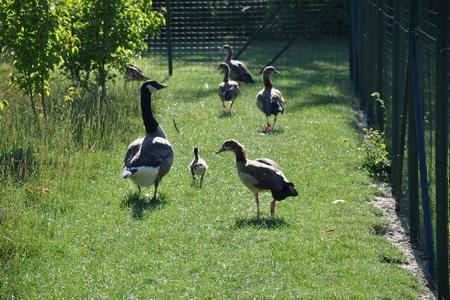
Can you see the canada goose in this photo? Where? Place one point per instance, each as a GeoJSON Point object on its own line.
{"type": "Point", "coordinates": [198, 167]}
{"type": "Point", "coordinates": [238, 70]}
{"type": "Point", "coordinates": [228, 89]}
{"type": "Point", "coordinates": [148, 159]}
{"type": "Point", "coordinates": [260, 175]}
{"type": "Point", "coordinates": [269, 100]}
{"type": "Point", "coordinates": [133, 72]}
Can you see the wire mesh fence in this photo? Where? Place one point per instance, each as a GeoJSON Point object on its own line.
{"type": "Point", "coordinates": [196, 29]}
{"type": "Point", "coordinates": [398, 48]}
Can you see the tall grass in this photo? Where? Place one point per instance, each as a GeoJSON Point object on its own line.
{"type": "Point", "coordinates": [75, 229]}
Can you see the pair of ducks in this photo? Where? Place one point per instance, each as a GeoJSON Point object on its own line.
{"type": "Point", "coordinates": [269, 100]}
{"type": "Point", "coordinates": [148, 159]}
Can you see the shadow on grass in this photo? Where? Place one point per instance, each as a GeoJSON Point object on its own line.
{"type": "Point", "coordinates": [225, 114]}
{"type": "Point", "coordinates": [261, 223]}
{"type": "Point", "coordinates": [277, 130]}
{"type": "Point", "coordinates": [139, 204]}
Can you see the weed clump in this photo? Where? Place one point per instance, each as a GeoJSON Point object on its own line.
{"type": "Point", "coordinates": [376, 159]}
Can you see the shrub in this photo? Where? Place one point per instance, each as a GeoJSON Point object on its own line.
{"type": "Point", "coordinates": [376, 155]}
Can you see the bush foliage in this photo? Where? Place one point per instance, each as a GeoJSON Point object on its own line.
{"type": "Point", "coordinates": [90, 39]}
{"type": "Point", "coordinates": [376, 158]}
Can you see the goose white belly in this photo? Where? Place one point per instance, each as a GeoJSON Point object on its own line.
{"type": "Point", "coordinates": [145, 176]}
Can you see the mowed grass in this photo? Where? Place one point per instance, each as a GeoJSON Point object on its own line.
{"type": "Point", "coordinates": [78, 230]}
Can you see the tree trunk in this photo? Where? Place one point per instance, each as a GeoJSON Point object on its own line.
{"type": "Point", "coordinates": [44, 108]}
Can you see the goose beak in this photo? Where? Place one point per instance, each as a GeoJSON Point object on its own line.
{"type": "Point", "coordinates": [163, 85]}
{"type": "Point", "coordinates": [276, 71]}
{"type": "Point", "coordinates": [220, 150]}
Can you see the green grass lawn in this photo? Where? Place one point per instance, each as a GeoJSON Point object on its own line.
{"type": "Point", "coordinates": [91, 236]}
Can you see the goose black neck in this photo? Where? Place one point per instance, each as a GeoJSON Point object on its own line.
{"type": "Point", "coordinates": [240, 154]}
{"type": "Point", "coordinates": [229, 53]}
{"type": "Point", "coordinates": [267, 81]}
{"type": "Point", "coordinates": [150, 122]}
{"type": "Point", "coordinates": [196, 154]}
{"type": "Point", "coordinates": [226, 75]}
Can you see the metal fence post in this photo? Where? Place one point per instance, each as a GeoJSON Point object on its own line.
{"type": "Point", "coordinates": [420, 135]}
{"type": "Point", "coordinates": [441, 159]}
{"type": "Point", "coordinates": [362, 37]}
{"type": "Point", "coordinates": [169, 38]}
{"type": "Point", "coordinates": [413, 167]}
{"type": "Point", "coordinates": [354, 44]}
{"type": "Point", "coordinates": [396, 103]}
{"type": "Point", "coordinates": [369, 63]}
{"type": "Point", "coordinates": [379, 68]}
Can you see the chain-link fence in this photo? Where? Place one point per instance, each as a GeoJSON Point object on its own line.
{"type": "Point", "coordinates": [399, 49]}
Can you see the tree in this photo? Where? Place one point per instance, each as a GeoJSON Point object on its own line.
{"type": "Point", "coordinates": [28, 32]}
{"type": "Point", "coordinates": [100, 36]}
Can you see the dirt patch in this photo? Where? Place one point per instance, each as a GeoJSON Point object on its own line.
{"type": "Point", "coordinates": [398, 235]}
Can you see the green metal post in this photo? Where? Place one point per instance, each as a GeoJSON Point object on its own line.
{"type": "Point", "coordinates": [362, 62]}
{"type": "Point", "coordinates": [396, 103]}
{"type": "Point", "coordinates": [169, 38]}
{"type": "Point", "coordinates": [360, 53]}
{"type": "Point", "coordinates": [369, 63]}
{"type": "Point", "coordinates": [379, 74]}
{"type": "Point", "coordinates": [413, 167]}
{"type": "Point", "coordinates": [402, 140]}
{"type": "Point", "coordinates": [441, 160]}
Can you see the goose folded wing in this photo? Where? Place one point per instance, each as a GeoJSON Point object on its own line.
{"type": "Point", "coordinates": [243, 71]}
{"type": "Point", "coordinates": [153, 153]}
{"type": "Point", "coordinates": [132, 150]}
{"type": "Point", "coordinates": [276, 95]}
{"type": "Point", "coordinates": [269, 162]}
{"type": "Point", "coordinates": [266, 176]}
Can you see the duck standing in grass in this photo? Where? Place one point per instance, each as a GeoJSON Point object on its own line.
{"type": "Point", "coordinates": [238, 70]}
{"type": "Point", "coordinates": [148, 159]}
{"type": "Point", "coordinates": [198, 167]}
{"type": "Point", "coordinates": [228, 89]}
{"type": "Point", "coordinates": [260, 175]}
{"type": "Point", "coordinates": [269, 100]}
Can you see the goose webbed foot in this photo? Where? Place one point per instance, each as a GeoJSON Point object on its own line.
{"type": "Point", "coordinates": [268, 129]}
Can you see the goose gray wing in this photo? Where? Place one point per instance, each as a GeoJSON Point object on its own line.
{"type": "Point", "coordinates": [263, 100]}
{"type": "Point", "coordinates": [153, 152]}
{"type": "Point", "coordinates": [242, 71]}
{"type": "Point", "coordinates": [276, 95]}
{"type": "Point", "coordinates": [269, 162]}
{"type": "Point", "coordinates": [132, 150]}
{"type": "Point", "coordinates": [264, 176]}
